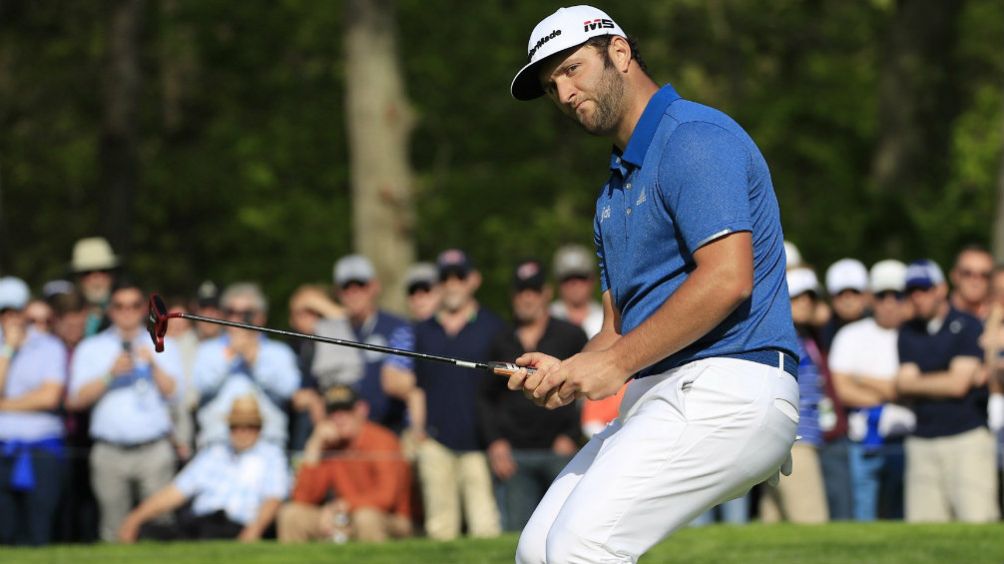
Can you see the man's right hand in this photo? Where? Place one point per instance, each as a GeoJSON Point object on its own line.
{"type": "Point", "coordinates": [129, 530]}
{"type": "Point", "coordinates": [123, 365]}
{"type": "Point", "coordinates": [13, 334]}
{"type": "Point", "coordinates": [500, 457]}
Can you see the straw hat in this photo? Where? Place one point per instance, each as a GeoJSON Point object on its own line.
{"type": "Point", "coordinates": [93, 253]}
{"type": "Point", "coordinates": [244, 411]}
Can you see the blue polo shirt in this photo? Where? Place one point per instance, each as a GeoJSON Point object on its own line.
{"type": "Point", "coordinates": [451, 392]}
{"type": "Point", "coordinates": [959, 335]}
{"type": "Point", "coordinates": [690, 175]}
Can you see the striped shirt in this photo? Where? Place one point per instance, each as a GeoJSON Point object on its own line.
{"type": "Point", "coordinates": [220, 479]}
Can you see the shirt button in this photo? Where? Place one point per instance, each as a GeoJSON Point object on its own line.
{"type": "Point", "coordinates": [627, 186]}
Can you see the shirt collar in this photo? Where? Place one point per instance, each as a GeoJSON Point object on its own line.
{"type": "Point", "coordinates": [645, 129]}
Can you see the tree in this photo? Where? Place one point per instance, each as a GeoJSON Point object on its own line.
{"type": "Point", "coordinates": [379, 119]}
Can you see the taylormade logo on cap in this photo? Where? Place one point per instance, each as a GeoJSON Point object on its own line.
{"type": "Point", "coordinates": [566, 28]}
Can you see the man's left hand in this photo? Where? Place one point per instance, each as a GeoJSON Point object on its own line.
{"type": "Point", "coordinates": [593, 374]}
{"type": "Point", "coordinates": [249, 534]}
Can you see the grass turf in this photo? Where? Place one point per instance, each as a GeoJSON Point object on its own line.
{"type": "Point", "coordinates": [834, 543]}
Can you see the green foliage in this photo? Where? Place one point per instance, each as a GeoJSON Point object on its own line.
{"type": "Point", "coordinates": [243, 153]}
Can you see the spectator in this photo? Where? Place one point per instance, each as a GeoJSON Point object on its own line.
{"type": "Point", "coordinates": [32, 457]}
{"type": "Point", "coordinates": [130, 390]}
{"type": "Point", "coordinates": [970, 278]}
{"type": "Point", "coordinates": [847, 284]}
{"type": "Point", "coordinates": [792, 256]}
{"type": "Point", "coordinates": [182, 332]}
{"type": "Point", "coordinates": [574, 268]}
{"type": "Point", "coordinates": [94, 265]}
{"type": "Point", "coordinates": [528, 446]}
{"type": "Point", "coordinates": [207, 304]}
{"type": "Point", "coordinates": [360, 462]}
{"type": "Point", "coordinates": [993, 346]}
{"type": "Point", "coordinates": [950, 467]}
{"type": "Point", "coordinates": [310, 307]}
{"type": "Point", "coordinates": [235, 488]}
{"type": "Point", "coordinates": [422, 290]}
{"type": "Point", "coordinates": [79, 512]}
{"type": "Point", "coordinates": [864, 363]}
{"type": "Point", "coordinates": [357, 289]}
{"type": "Point", "coordinates": [451, 463]}
{"type": "Point", "coordinates": [241, 362]}
{"type": "Point", "coordinates": [801, 497]}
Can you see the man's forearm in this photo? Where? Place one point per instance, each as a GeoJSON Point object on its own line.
{"type": "Point", "coordinates": [934, 385]}
{"type": "Point", "coordinates": [266, 514]}
{"type": "Point", "coordinates": [165, 384]}
{"type": "Point", "coordinates": [87, 395]}
{"type": "Point", "coordinates": [164, 500]}
{"type": "Point", "coordinates": [43, 398]}
{"type": "Point", "coordinates": [602, 341]}
{"type": "Point", "coordinates": [854, 394]}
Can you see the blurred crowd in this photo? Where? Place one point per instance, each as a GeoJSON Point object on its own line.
{"type": "Point", "coordinates": [229, 433]}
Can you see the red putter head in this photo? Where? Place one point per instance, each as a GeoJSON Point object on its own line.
{"type": "Point", "coordinates": [156, 324]}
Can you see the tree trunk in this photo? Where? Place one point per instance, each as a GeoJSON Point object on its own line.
{"type": "Point", "coordinates": [119, 136]}
{"type": "Point", "coordinates": [998, 235]}
{"type": "Point", "coordinates": [918, 103]}
{"type": "Point", "coordinates": [379, 121]}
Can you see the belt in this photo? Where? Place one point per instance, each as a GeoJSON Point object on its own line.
{"type": "Point", "coordinates": [131, 446]}
{"type": "Point", "coordinates": [769, 357]}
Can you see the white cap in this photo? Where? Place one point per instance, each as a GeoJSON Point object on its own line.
{"type": "Point", "coordinates": [354, 267]}
{"type": "Point", "coordinates": [574, 260]}
{"type": "Point", "coordinates": [887, 275]}
{"type": "Point", "coordinates": [93, 253]}
{"type": "Point", "coordinates": [846, 274]}
{"type": "Point", "coordinates": [14, 293]}
{"type": "Point", "coordinates": [792, 257]}
{"type": "Point", "coordinates": [801, 280]}
{"type": "Point", "coordinates": [568, 27]}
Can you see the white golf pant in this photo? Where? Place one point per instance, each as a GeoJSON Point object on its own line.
{"type": "Point", "coordinates": [685, 440]}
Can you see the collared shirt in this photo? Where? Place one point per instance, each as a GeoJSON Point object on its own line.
{"type": "Point", "coordinates": [688, 176]}
{"type": "Point", "coordinates": [933, 351]}
{"type": "Point", "coordinates": [132, 409]}
{"type": "Point", "coordinates": [385, 330]}
{"type": "Point", "coordinates": [451, 392]}
{"type": "Point", "coordinates": [220, 479]}
{"type": "Point", "coordinates": [41, 359]}
{"type": "Point", "coordinates": [220, 379]}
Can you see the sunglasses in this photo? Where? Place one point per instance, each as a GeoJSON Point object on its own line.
{"type": "Point", "coordinates": [245, 315]}
{"type": "Point", "coordinates": [349, 284]}
{"type": "Point", "coordinates": [245, 427]}
{"type": "Point", "coordinates": [127, 305]}
{"type": "Point", "coordinates": [417, 287]}
{"type": "Point", "coordinates": [886, 294]}
{"type": "Point", "coordinates": [575, 278]}
{"type": "Point", "coordinates": [918, 289]}
{"type": "Point", "coordinates": [981, 274]}
{"type": "Point", "coordinates": [89, 272]}
{"type": "Point", "coordinates": [446, 276]}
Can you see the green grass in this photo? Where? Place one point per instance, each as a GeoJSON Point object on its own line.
{"type": "Point", "coordinates": [835, 543]}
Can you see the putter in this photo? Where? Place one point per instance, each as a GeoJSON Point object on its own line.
{"type": "Point", "coordinates": [157, 326]}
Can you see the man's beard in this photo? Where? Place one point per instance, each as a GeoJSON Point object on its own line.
{"type": "Point", "coordinates": [609, 102]}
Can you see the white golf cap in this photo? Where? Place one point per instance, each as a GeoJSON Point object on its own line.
{"type": "Point", "coordinates": [561, 30]}
{"type": "Point", "coordinates": [846, 274]}
{"type": "Point", "coordinates": [792, 256]}
{"type": "Point", "coordinates": [887, 275]}
{"type": "Point", "coordinates": [93, 253]}
{"type": "Point", "coordinates": [14, 293]}
{"type": "Point", "coordinates": [801, 280]}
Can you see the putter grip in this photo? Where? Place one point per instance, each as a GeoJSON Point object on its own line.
{"type": "Point", "coordinates": [507, 368]}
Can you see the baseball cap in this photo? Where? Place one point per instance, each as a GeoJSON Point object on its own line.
{"type": "Point", "coordinates": [801, 280]}
{"type": "Point", "coordinates": [340, 398]}
{"type": "Point", "coordinates": [566, 28]}
{"type": "Point", "coordinates": [529, 275]}
{"type": "Point", "coordinates": [923, 273]}
{"type": "Point", "coordinates": [887, 275]}
{"type": "Point", "coordinates": [353, 267]}
{"type": "Point", "coordinates": [420, 274]}
{"type": "Point", "coordinates": [14, 293]}
{"type": "Point", "coordinates": [453, 261]}
{"type": "Point", "coordinates": [792, 256]}
{"type": "Point", "coordinates": [846, 274]}
{"type": "Point", "coordinates": [57, 287]}
{"type": "Point", "coordinates": [208, 294]}
{"type": "Point", "coordinates": [573, 260]}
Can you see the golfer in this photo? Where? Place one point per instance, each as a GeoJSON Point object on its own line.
{"type": "Point", "coordinates": [696, 307]}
